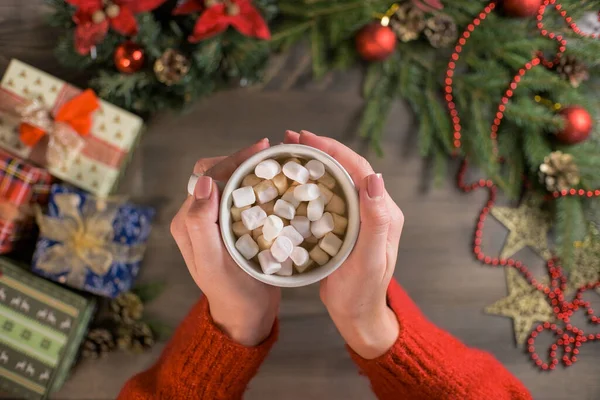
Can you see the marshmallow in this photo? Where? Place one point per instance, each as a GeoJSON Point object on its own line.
{"type": "Point", "coordinates": [264, 244]}
{"type": "Point", "coordinates": [290, 198]}
{"type": "Point", "coordinates": [330, 244]}
{"type": "Point", "coordinates": [315, 168]}
{"type": "Point", "coordinates": [284, 209]}
{"type": "Point", "coordinates": [299, 256]}
{"type": "Point", "coordinates": [243, 196]}
{"type": "Point", "coordinates": [291, 233]}
{"type": "Point", "coordinates": [239, 229]}
{"type": "Point", "coordinates": [287, 268]}
{"type": "Point", "coordinates": [302, 210]}
{"type": "Point", "coordinates": [326, 194]}
{"type": "Point", "coordinates": [302, 225]}
{"type": "Point", "coordinates": [247, 246]}
{"type": "Point", "coordinates": [236, 213]}
{"type": "Point", "coordinates": [268, 264]}
{"type": "Point", "coordinates": [267, 169]}
{"type": "Point", "coordinates": [322, 226]}
{"type": "Point", "coordinates": [327, 180]}
{"type": "Point", "coordinates": [281, 183]}
{"type": "Point", "coordinates": [272, 227]}
{"type": "Point", "coordinates": [315, 208]}
{"type": "Point", "coordinates": [317, 255]}
{"type": "Point", "coordinates": [253, 217]}
{"type": "Point", "coordinates": [265, 192]}
{"type": "Point", "coordinates": [282, 248]}
{"type": "Point", "coordinates": [256, 233]}
{"type": "Point", "coordinates": [336, 205]}
{"type": "Point", "coordinates": [339, 224]}
{"type": "Point", "coordinates": [250, 180]}
{"type": "Point", "coordinates": [307, 192]}
{"type": "Point", "coordinates": [268, 207]}
{"type": "Point", "coordinates": [296, 172]}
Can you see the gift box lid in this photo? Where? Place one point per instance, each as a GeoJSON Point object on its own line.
{"type": "Point", "coordinates": [41, 328]}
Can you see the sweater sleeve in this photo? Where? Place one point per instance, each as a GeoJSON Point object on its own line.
{"type": "Point", "coordinates": [200, 362]}
{"type": "Point", "coordinates": [426, 362]}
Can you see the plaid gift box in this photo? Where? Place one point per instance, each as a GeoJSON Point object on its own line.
{"type": "Point", "coordinates": [21, 185]}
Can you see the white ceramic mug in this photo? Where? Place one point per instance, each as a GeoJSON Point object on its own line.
{"type": "Point", "coordinates": [342, 178]}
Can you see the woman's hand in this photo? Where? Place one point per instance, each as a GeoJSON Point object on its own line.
{"type": "Point", "coordinates": [244, 308]}
{"type": "Point", "coordinates": [355, 294]}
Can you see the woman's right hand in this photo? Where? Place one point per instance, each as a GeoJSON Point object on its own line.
{"type": "Point", "coordinates": [355, 294]}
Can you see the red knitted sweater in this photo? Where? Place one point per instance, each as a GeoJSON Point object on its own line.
{"type": "Point", "coordinates": [201, 362]}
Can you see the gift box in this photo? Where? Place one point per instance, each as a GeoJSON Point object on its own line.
{"type": "Point", "coordinates": [89, 243]}
{"type": "Point", "coordinates": [21, 185]}
{"type": "Point", "coordinates": [41, 327]}
{"type": "Point", "coordinates": [77, 137]}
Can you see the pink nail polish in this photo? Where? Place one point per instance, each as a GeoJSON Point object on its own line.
{"type": "Point", "coordinates": [203, 188]}
{"type": "Point", "coordinates": [375, 186]}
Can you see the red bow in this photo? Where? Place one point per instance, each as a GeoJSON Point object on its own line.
{"type": "Point", "coordinates": [239, 14]}
{"type": "Point", "coordinates": [94, 17]}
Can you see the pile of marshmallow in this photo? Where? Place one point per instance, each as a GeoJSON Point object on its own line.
{"type": "Point", "coordinates": [288, 217]}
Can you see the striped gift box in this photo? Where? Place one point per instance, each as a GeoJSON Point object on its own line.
{"type": "Point", "coordinates": [115, 132]}
{"type": "Point", "coordinates": [41, 328]}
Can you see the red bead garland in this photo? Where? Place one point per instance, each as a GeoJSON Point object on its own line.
{"type": "Point", "coordinates": [570, 338]}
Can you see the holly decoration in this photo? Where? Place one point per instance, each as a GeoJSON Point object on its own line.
{"type": "Point", "coordinates": [578, 125]}
{"type": "Point", "coordinates": [521, 8]}
{"type": "Point", "coordinates": [129, 57]}
{"type": "Point", "coordinates": [572, 70]}
{"type": "Point", "coordinates": [375, 42]}
{"type": "Point", "coordinates": [171, 67]}
{"type": "Point", "coordinates": [94, 17]}
{"type": "Point", "coordinates": [219, 15]}
{"type": "Point", "coordinates": [441, 31]}
{"type": "Point", "coordinates": [408, 22]}
{"type": "Point", "coordinates": [559, 172]}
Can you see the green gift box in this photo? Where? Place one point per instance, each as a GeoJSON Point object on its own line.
{"type": "Point", "coordinates": [41, 327]}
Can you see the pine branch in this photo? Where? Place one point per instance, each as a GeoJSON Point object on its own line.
{"type": "Point", "coordinates": [570, 226]}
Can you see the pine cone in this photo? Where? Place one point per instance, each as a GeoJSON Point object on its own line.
{"type": "Point", "coordinates": [98, 343]}
{"type": "Point", "coordinates": [559, 172]}
{"type": "Point", "coordinates": [126, 308]}
{"type": "Point", "coordinates": [408, 22]}
{"type": "Point", "coordinates": [171, 67]}
{"type": "Point", "coordinates": [571, 69]}
{"type": "Point", "coordinates": [137, 337]}
{"type": "Point", "coordinates": [441, 31]}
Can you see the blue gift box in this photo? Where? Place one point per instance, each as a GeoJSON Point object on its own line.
{"type": "Point", "coordinates": [131, 227]}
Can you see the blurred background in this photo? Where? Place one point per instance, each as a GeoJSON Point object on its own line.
{"type": "Point", "coordinates": [374, 76]}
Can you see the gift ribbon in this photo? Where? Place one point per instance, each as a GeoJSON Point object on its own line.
{"type": "Point", "coordinates": [85, 237]}
{"type": "Point", "coordinates": [65, 130]}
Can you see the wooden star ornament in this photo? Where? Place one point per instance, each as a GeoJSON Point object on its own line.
{"type": "Point", "coordinates": [528, 225]}
{"type": "Point", "coordinates": [524, 304]}
{"type": "Point", "coordinates": [586, 264]}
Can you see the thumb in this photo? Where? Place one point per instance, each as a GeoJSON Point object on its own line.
{"type": "Point", "coordinates": [203, 214]}
{"type": "Point", "coordinates": [375, 217]}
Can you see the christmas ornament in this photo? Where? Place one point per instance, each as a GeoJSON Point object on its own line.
{"type": "Point", "coordinates": [137, 337]}
{"type": "Point", "coordinates": [527, 225]}
{"type": "Point", "coordinates": [559, 172]}
{"type": "Point", "coordinates": [578, 125]}
{"type": "Point", "coordinates": [240, 14]}
{"type": "Point", "coordinates": [98, 343]}
{"type": "Point", "coordinates": [441, 31]}
{"type": "Point", "coordinates": [171, 67]}
{"type": "Point", "coordinates": [524, 304]}
{"type": "Point", "coordinates": [571, 69]}
{"type": "Point", "coordinates": [126, 308]}
{"type": "Point", "coordinates": [129, 57]}
{"type": "Point", "coordinates": [94, 17]}
{"type": "Point", "coordinates": [408, 22]}
{"type": "Point", "coordinates": [521, 8]}
{"type": "Point", "coordinates": [375, 42]}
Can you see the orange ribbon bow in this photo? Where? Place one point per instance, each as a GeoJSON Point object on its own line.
{"type": "Point", "coordinates": [66, 130]}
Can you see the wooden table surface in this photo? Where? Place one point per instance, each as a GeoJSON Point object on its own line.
{"type": "Point", "coordinates": [435, 263]}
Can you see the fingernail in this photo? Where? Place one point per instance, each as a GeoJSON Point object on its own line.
{"type": "Point", "coordinates": [203, 188]}
{"type": "Point", "coordinates": [266, 140]}
{"type": "Point", "coordinates": [375, 186]}
{"type": "Point", "coordinates": [303, 132]}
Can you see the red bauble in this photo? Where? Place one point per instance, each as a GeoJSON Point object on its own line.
{"type": "Point", "coordinates": [578, 125]}
{"type": "Point", "coordinates": [521, 8]}
{"type": "Point", "coordinates": [129, 57]}
{"type": "Point", "coordinates": [375, 42]}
